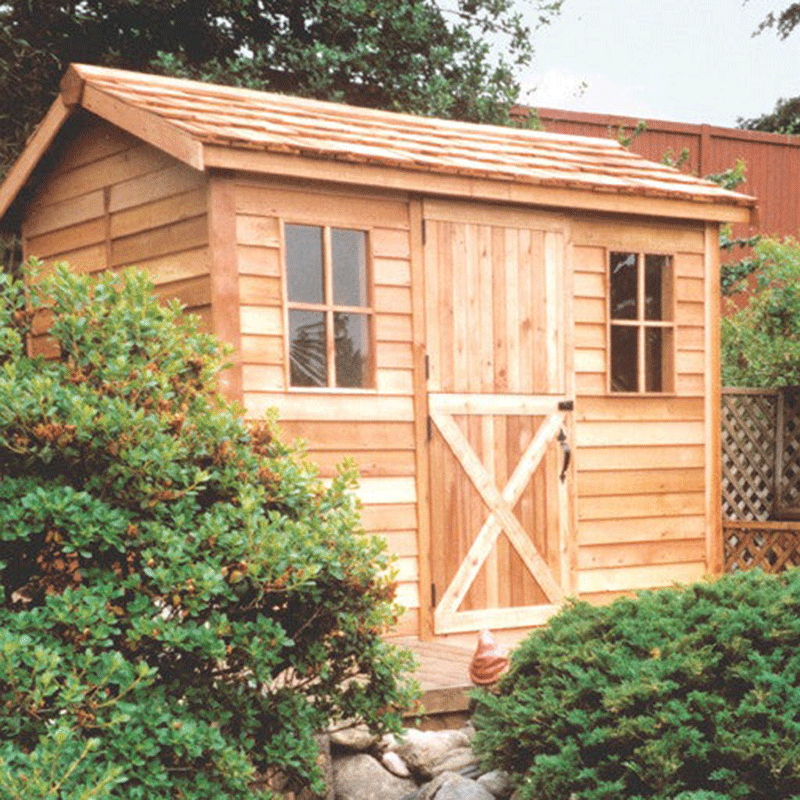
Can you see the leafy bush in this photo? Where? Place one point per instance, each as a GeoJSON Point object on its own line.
{"type": "Point", "coordinates": [680, 693]}
{"type": "Point", "coordinates": [761, 341]}
{"type": "Point", "coordinates": [185, 604]}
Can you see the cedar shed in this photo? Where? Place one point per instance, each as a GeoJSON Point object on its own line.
{"type": "Point", "coordinates": [514, 333]}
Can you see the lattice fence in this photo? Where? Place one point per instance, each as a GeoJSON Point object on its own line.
{"type": "Point", "coordinates": [749, 438]}
{"type": "Point", "coordinates": [773, 546]}
{"type": "Point", "coordinates": [761, 478]}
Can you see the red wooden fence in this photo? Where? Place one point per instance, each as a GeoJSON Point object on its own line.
{"type": "Point", "coordinates": [773, 160]}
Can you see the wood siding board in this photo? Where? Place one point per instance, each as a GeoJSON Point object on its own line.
{"type": "Point", "coordinates": [64, 214]}
{"type": "Point", "coordinates": [165, 240]}
{"type": "Point", "coordinates": [620, 434]}
{"type": "Point", "coordinates": [156, 213]}
{"type": "Point", "coordinates": [171, 180]}
{"type": "Point", "coordinates": [649, 528]}
{"type": "Point", "coordinates": [613, 457]}
{"type": "Point", "coordinates": [639, 577]}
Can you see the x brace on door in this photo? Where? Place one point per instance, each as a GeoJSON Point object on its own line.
{"type": "Point", "coordinates": [501, 518]}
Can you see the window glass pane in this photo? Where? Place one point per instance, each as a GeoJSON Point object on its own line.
{"type": "Point", "coordinates": [305, 282]}
{"type": "Point", "coordinates": [658, 360]}
{"type": "Point", "coordinates": [624, 358]}
{"type": "Point", "coordinates": [349, 256]}
{"type": "Point", "coordinates": [653, 360]}
{"type": "Point", "coordinates": [657, 287]}
{"type": "Point", "coordinates": [352, 338]}
{"type": "Point", "coordinates": [623, 277]}
{"type": "Point", "coordinates": [308, 353]}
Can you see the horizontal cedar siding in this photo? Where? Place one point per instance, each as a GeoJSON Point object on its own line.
{"type": "Point", "coordinates": [111, 201]}
{"type": "Point", "coordinates": [374, 428]}
{"type": "Point", "coordinates": [640, 480]}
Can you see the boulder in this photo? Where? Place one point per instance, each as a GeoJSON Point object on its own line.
{"type": "Point", "coordinates": [496, 782]}
{"type": "Point", "coordinates": [395, 764]}
{"type": "Point", "coordinates": [456, 760]}
{"type": "Point", "coordinates": [358, 738]}
{"type": "Point", "coordinates": [422, 750]}
{"type": "Point", "coordinates": [452, 786]}
{"type": "Point", "coordinates": [361, 777]}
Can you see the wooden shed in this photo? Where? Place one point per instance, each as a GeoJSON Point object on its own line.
{"type": "Point", "coordinates": [514, 333]}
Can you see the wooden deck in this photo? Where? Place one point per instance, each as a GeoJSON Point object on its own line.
{"type": "Point", "coordinates": [443, 674]}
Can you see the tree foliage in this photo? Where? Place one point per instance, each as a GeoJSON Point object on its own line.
{"type": "Point", "coordinates": [761, 341]}
{"type": "Point", "coordinates": [785, 117]}
{"type": "Point", "coordinates": [184, 604]}
{"type": "Point", "coordinates": [783, 21]}
{"type": "Point", "coordinates": [679, 694]}
{"type": "Point", "coordinates": [456, 59]}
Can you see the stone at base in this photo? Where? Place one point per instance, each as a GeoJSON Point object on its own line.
{"type": "Point", "coordinates": [395, 765]}
{"type": "Point", "coordinates": [496, 782]}
{"type": "Point", "coordinates": [361, 777]}
{"type": "Point", "coordinates": [457, 787]}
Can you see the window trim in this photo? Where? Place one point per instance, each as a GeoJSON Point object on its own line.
{"type": "Point", "coordinates": [669, 354]}
{"type": "Point", "coordinates": [329, 308]}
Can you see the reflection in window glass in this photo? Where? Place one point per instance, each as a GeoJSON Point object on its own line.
{"type": "Point", "coordinates": [308, 355]}
{"type": "Point", "coordinates": [624, 358]}
{"type": "Point", "coordinates": [349, 257]}
{"type": "Point", "coordinates": [657, 287]}
{"type": "Point", "coordinates": [623, 279]}
{"type": "Point", "coordinates": [352, 349]}
{"type": "Point", "coordinates": [305, 282]}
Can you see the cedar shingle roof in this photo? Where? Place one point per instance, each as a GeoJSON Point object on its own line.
{"type": "Point", "coordinates": [242, 118]}
{"type": "Point", "coordinates": [208, 125]}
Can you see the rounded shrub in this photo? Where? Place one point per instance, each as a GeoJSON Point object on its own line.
{"type": "Point", "coordinates": [184, 603]}
{"type": "Point", "coordinates": [690, 693]}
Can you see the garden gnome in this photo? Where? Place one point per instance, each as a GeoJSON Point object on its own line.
{"type": "Point", "coordinates": [489, 661]}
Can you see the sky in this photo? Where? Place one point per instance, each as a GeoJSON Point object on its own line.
{"type": "Point", "coordinates": [684, 60]}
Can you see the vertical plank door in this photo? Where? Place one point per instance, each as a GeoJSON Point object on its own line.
{"type": "Point", "coordinates": [498, 397]}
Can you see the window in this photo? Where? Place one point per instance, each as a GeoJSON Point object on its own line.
{"type": "Point", "coordinates": [642, 327]}
{"type": "Point", "coordinates": [330, 318]}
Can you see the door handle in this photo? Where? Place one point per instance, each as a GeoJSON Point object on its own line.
{"type": "Point", "coordinates": [562, 440]}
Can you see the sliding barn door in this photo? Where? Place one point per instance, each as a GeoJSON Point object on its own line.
{"type": "Point", "coordinates": [499, 394]}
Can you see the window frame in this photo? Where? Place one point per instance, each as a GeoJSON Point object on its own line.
{"type": "Point", "coordinates": [641, 324]}
{"type": "Point", "coordinates": [328, 308]}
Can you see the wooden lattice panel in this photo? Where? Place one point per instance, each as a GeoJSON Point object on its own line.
{"type": "Point", "coordinates": [772, 547]}
{"type": "Point", "coordinates": [748, 454]}
{"type": "Point", "coordinates": [788, 442]}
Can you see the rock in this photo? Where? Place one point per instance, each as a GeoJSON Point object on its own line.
{"type": "Point", "coordinates": [358, 738]}
{"type": "Point", "coordinates": [469, 731]}
{"type": "Point", "coordinates": [388, 742]}
{"type": "Point", "coordinates": [422, 750]}
{"type": "Point", "coordinates": [395, 764]}
{"type": "Point", "coordinates": [457, 787]}
{"type": "Point", "coordinates": [429, 790]}
{"type": "Point", "coordinates": [361, 777]}
{"type": "Point", "coordinates": [456, 760]}
{"type": "Point", "coordinates": [496, 783]}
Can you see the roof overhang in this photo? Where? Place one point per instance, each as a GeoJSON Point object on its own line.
{"type": "Point", "coordinates": [163, 134]}
{"type": "Point", "coordinates": [246, 160]}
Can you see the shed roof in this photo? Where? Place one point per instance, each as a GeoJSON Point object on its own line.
{"type": "Point", "coordinates": [195, 121]}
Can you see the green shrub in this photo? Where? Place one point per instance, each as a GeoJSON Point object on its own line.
{"type": "Point", "coordinates": [185, 603]}
{"type": "Point", "coordinates": [690, 693]}
{"type": "Point", "coordinates": [760, 342]}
